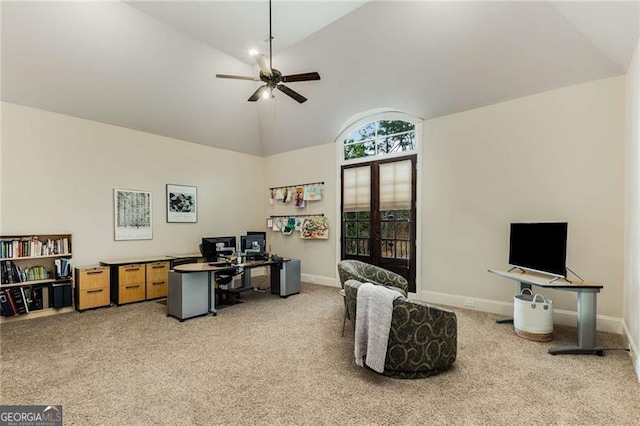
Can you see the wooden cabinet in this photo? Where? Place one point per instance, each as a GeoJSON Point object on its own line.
{"type": "Point", "coordinates": [36, 276]}
{"type": "Point", "coordinates": [138, 279]}
{"type": "Point", "coordinates": [92, 287]}
{"type": "Point", "coordinates": [131, 283]}
{"type": "Point", "coordinates": [157, 279]}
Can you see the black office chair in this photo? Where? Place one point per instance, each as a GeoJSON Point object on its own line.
{"type": "Point", "coordinates": [223, 279]}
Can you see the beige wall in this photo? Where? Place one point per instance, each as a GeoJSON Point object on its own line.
{"type": "Point", "coordinates": [555, 156]}
{"type": "Point", "coordinates": [316, 164]}
{"type": "Point", "coordinates": [552, 156]}
{"type": "Point", "coordinates": [59, 172]}
{"type": "Point", "coordinates": [632, 209]}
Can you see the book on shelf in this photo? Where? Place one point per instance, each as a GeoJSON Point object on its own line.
{"type": "Point", "coordinates": [36, 297]}
{"type": "Point", "coordinates": [12, 303]}
{"type": "Point", "coordinates": [5, 305]}
{"type": "Point", "coordinates": [63, 268]}
{"type": "Point", "coordinates": [20, 301]}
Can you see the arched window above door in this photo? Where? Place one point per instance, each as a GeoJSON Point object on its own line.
{"type": "Point", "coordinates": [378, 136]}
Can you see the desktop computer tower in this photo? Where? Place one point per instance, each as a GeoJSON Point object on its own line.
{"type": "Point", "coordinates": [290, 278]}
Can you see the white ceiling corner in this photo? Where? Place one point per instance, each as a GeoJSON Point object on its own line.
{"type": "Point", "coordinates": [594, 19]}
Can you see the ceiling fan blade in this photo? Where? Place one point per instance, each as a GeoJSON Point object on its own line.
{"type": "Point", "coordinates": [237, 77]}
{"type": "Point", "coordinates": [256, 95]}
{"type": "Point", "coordinates": [295, 95]}
{"type": "Point", "coordinates": [261, 60]}
{"type": "Point", "coordinates": [308, 76]}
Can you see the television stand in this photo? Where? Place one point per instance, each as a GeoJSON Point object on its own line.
{"type": "Point", "coordinates": [554, 279]}
{"type": "Point", "coordinates": [587, 301]}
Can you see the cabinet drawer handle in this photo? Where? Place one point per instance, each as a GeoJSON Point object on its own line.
{"type": "Point", "coordinates": [95, 291]}
{"type": "Point", "coordinates": [94, 272]}
{"type": "Point", "coordinates": [133, 286]}
{"type": "Point", "coordinates": [158, 283]}
{"type": "Point", "coordinates": [133, 269]}
{"type": "Point", "coordinates": [159, 266]}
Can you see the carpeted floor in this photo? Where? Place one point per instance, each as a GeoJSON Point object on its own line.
{"type": "Point", "coordinates": [280, 361]}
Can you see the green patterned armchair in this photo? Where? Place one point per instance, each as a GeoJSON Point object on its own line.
{"type": "Point", "coordinates": [351, 269]}
{"type": "Point", "coordinates": [422, 339]}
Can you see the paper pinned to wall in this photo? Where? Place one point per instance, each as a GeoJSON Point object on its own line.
{"type": "Point", "coordinates": [313, 192]}
{"type": "Point", "coordinates": [315, 228]}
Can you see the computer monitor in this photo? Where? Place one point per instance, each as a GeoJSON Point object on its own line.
{"type": "Point", "coordinates": [264, 237]}
{"type": "Point", "coordinates": [213, 247]}
{"type": "Point", "coordinates": [253, 243]}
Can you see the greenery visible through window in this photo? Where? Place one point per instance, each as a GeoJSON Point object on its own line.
{"type": "Point", "coordinates": [357, 232]}
{"type": "Point", "coordinates": [380, 138]}
{"type": "Point", "coordinates": [396, 233]}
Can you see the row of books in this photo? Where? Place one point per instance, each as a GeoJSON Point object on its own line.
{"type": "Point", "coordinates": [12, 273]}
{"type": "Point", "coordinates": [32, 246]}
{"type": "Point", "coordinates": [63, 268]}
{"type": "Point", "coordinates": [22, 300]}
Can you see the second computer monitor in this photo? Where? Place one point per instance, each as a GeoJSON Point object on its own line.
{"type": "Point", "coordinates": [213, 247]}
{"type": "Point", "coordinates": [254, 242]}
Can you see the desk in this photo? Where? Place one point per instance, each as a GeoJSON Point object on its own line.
{"type": "Point", "coordinates": [186, 283]}
{"type": "Point", "coordinates": [285, 281]}
{"type": "Point", "coordinates": [587, 302]}
{"type": "Point", "coordinates": [181, 259]}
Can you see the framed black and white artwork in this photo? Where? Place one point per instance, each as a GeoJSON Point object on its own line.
{"type": "Point", "coordinates": [132, 213]}
{"type": "Point", "coordinates": [182, 204]}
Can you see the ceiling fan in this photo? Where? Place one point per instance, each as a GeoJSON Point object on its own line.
{"type": "Point", "coordinates": [272, 77]}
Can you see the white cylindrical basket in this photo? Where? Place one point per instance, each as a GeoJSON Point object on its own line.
{"type": "Point", "coordinates": [533, 316]}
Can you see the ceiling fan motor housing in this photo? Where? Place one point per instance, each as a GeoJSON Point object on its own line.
{"type": "Point", "coordinates": [273, 79]}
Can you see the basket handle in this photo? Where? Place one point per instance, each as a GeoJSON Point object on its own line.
{"type": "Point", "coordinates": [529, 290]}
{"type": "Point", "coordinates": [544, 300]}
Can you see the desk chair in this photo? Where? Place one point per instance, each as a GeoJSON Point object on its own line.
{"type": "Point", "coordinates": [223, 278]}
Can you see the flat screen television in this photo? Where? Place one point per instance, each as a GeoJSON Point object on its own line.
{"type": "Point", "coordinates": [212, 247]}
{"type": "Point", "coordinates": [539, 247]}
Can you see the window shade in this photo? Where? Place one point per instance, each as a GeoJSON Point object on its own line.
{"type": "Point", "coordinates": [356, 187]}
{"type": "Point", "coordinates": [395, 185]}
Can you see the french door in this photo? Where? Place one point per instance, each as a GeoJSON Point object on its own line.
{"type": "Point", "coordinates": [378, 206]}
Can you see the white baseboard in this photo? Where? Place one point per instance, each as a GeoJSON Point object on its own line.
{"type": "Point", "coordinates": [307, 278]}
{"type": "Point", "coordinates": [570, 318]}
{"type": "Point", "coordinates": [633, 347]}
{"type": "Point", "coordinates": [317, 279]}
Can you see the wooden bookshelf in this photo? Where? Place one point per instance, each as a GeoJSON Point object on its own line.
{"type": "Point", "coordinates": [37, 276]}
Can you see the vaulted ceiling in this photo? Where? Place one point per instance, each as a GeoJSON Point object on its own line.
{"type": "Point", "coordinates": [151, 66]}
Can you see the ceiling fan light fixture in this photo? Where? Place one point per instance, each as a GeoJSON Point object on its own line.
{"type": "Point", "coordinates": [263, 64]}
{"type": "Point", "coordinates": [272, 77]}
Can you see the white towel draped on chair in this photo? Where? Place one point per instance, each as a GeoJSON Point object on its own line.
{"type": "Point", "coordinates": [373, 322]}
